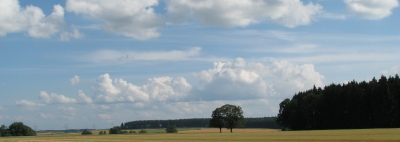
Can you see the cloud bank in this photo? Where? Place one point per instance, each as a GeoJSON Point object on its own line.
{"type": "Point", "coordinates": [135, 19]}
{"type": "Point", "coordinates": [241, 13]}
{"type": "Point", "coordinates": [237, 80]}
{"type": "Point", "coordinates": [138, 19]}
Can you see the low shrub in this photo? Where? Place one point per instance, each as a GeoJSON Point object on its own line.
{"type": "Point", "coordinates": [87, 132]}
{"type": "Point", "coordinates": [171, 129]}
{"type": "Point", "coordinates": [142, 131]}
{"type": "Point", "coordinates": [132, 132]}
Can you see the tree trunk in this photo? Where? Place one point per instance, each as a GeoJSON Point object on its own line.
{"type": "Point", "coordinates": [220, 130]}
{"type": "Point", "coordinates": [231, 130]}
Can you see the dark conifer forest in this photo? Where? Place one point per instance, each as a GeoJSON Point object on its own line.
{"type": "Point", "coordinates": [372, 104]}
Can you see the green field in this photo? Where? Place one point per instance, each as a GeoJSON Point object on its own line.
{"type": "Point", "coordinates": [238, 135]}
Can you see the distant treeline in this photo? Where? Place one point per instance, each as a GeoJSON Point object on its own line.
{"type": "Point", "coordinates": [262, 122]}
{"type": "Point", "coordinates": [373, 104]}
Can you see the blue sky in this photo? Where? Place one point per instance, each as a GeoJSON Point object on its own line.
{"type": "Point", "coordinates": [97, 63]}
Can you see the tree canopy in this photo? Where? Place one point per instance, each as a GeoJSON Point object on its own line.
{"type": "Point", "coordinates": [373, 104]}
{"type": "Point", "coordinates": [217, 119]}
{"type": "Point", "coordinates": [171, 129]}
{"type": "Point", "coordinates": [87, 132]}
{"type": "Point", "coordinates": [115, 130]}
{"type": "Point", "coordinates": [19, 129]}
{"type": "Point", "coordinates": [258, 122]}
{"type": "Point", "coordinates": [3, 130]}
{"type": "Point", "coordinates": [228, 116]}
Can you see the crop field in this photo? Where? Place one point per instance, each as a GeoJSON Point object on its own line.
{"type": "Point", "coordinates": [210, 134]}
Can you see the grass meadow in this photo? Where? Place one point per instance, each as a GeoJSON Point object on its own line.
{"type": "Point", "coordinates": [212, 134]}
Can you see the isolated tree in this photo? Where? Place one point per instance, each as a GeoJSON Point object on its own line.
{"type": "Point", "coordinates": [19, 129]}
{"type": "Point", "coordinates": [233, 116]}
{"type": "Point", "coordinates": [171, 129]}
{"type": "Point", "coordinates": [217, 119]}
{"type": "Point", "coordinates": [101, 132]}
{"type": "Point", "coordinates": [228, 116]}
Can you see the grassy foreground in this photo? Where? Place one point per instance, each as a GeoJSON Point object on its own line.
{"type": "Point", "coordinates": [210, 134]}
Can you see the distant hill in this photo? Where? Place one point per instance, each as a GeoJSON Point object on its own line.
{"type": "Point", "coordinates": [260, 122]}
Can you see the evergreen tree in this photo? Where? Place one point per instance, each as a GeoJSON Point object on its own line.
{"type": "Point", "coordinates": [373, 104]}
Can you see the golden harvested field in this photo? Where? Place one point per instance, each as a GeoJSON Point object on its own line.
{"type": "Point", "coordinates": [210, 134]}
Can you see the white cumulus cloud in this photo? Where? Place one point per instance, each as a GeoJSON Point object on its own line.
{"type": "Point", "coordinates": [25, 103]}
{"type": "Point", "coordinates": [232, 81]}
{"type": "Point", "coordinates": [372, 9]}
{"type": "Point", "coordinates": [225, 81]}
{"type": "Point", "coordinates": [66, 36]}
{"type": "Point", "coordinates": [234, 13]}
{"type": "Point", "coordinates": [289, 78]}
{"type": "Point", "coordinates": [167, 88]}
{"type": "Point", "coordinates": [74, 80]}
{"type": "Point", "coordinates": [131, 18]}
{"type": "Point", "coordinates": [156, 89]}
{"type": "Point", "coordinates": [240, 80]}
{"type": "Point", "coordinates": [84, 97]}
{"type": "Point", "coordinates": [30, 19]}
{"type": "Point", "coordinates": [237, 80]}
{"type": "Point", "coordinates": [55, 98]}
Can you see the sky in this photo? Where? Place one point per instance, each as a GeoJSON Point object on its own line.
{"type": "Point", "coordinates": [83, 64]}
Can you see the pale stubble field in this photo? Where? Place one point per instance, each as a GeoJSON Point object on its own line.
{"type": "Point", "coordinates": [210, 134]}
